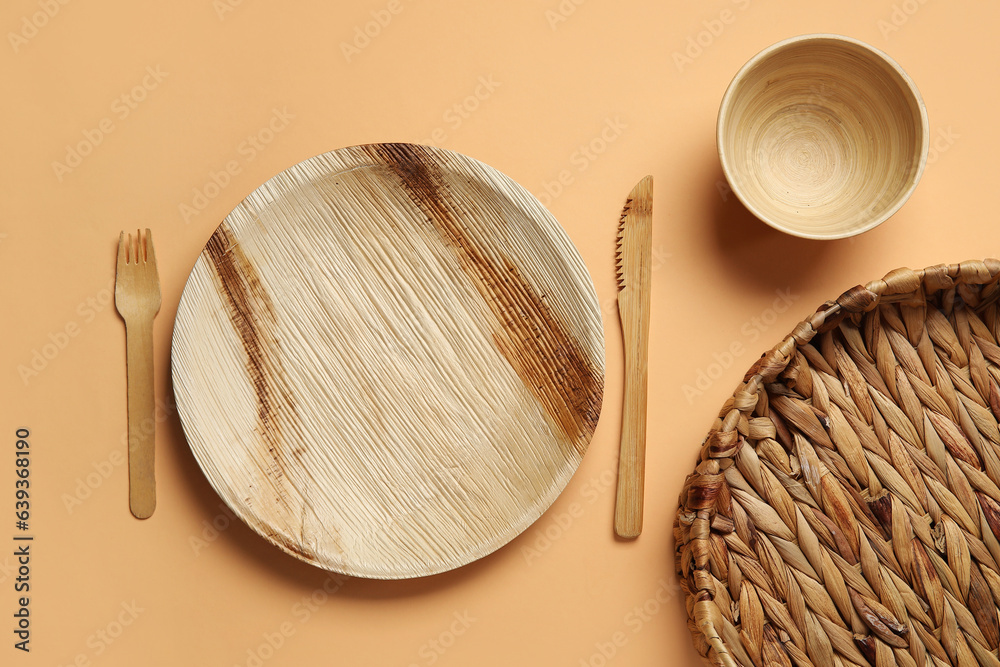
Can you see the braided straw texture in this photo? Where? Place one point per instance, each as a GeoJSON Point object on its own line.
{"type": "Point", "coordinates": [845, 509]}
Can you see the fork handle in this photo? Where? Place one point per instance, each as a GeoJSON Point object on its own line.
{"type": "Point", "coordinates": [141, 421]}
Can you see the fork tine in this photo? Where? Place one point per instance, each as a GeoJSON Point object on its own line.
{"type": "Point", "coordinates": [124, 250]}
{"type": "Point", "coordinates": [150, 253]}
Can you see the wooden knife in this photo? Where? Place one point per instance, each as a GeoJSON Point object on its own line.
{"type": "Point", "coordinates": [635, 250]}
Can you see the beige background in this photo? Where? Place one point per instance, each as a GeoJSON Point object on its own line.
{"type": "Point", "coordinates": [534, 81]}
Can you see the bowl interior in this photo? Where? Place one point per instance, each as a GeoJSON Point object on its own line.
{"type": "Point", "coordinates": [822, 137]}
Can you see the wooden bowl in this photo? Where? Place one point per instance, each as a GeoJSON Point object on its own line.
{"type": "Point", "coordinates": [822, 136]}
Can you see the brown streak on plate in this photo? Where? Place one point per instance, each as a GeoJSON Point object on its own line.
{"type": "Point", "coordinates": [530, 336]}
{"type": "Point", "coordinates": [296, 549]}
{"type": "Point", "coordinates": [247, 304]}
{"type": "Point", "coordinates": [232, 269]}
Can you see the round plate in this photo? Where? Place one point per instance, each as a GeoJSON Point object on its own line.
{"type": "Point", "coordinates": [389, 360]}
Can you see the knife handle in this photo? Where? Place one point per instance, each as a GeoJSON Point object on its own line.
{"type": "Point", "coordinates": [632, 457]}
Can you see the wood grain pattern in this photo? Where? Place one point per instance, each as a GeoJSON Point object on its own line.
{"type": "Point", "coordinates": [389, 360]}
{"type": "Point", "coordinates": [635, 250]}
{"type": "Point", "coordinates": [822, 136]}
{"type": "Point", "coordinates": [137, 299]}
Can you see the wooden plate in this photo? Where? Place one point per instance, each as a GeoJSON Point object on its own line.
{"type": "Point", "coordinates": [389, 360]}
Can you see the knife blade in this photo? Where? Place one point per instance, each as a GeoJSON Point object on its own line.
{"type": "Point", "coordinates": [634, 255]}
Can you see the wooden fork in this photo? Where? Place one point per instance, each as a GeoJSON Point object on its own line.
{"type": "Point", "coordinates": [137, 298]}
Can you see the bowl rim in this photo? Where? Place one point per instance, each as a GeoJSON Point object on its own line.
{"type": "Point", "coordinates": [771, 50]}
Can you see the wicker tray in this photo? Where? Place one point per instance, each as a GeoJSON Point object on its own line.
{"type": "Point", "coordinates": [846, 505]}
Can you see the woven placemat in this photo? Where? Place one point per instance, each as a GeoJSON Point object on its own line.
{"type": "Point", "coordinates": [845, 509]}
